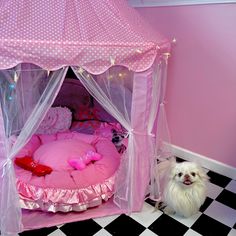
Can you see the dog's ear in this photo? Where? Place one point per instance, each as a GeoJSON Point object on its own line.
{"type": "Point", "coordinates": [202, 173]}
{"type": "Point", "coordinates": [172, 161]}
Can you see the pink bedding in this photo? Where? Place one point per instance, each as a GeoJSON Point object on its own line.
{"type": "Point", "coordinates": [57, 119]}
{"type": "Point", "coordinates": [67, 189]}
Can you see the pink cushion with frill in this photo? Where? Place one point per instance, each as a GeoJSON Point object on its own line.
{"type": "Point", "coordinates": [67, 189]}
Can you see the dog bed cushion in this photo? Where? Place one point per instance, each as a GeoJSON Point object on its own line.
{"type": "Point", "coordinates": [67, 189]}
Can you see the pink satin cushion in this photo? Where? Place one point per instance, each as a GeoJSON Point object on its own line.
{"type": "Point", "coordinates": [65, 186]}
{"type": "Point", "coordinates": [57, 153]}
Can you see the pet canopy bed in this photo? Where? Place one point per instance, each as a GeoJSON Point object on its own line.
{"type": "Point", "coordinates": [111, 50]}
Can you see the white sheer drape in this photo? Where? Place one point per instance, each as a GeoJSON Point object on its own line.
{"type": "Point", "coordinates": [26, 94]}
{"type": "Point", "coordinates": [161, 148]}
{"type": "Point", "coordinates": [112, 94]}
{"type": "Point", "coordinates": [113, 90]}
{"type": "Point", "coordinates": [138, 162]}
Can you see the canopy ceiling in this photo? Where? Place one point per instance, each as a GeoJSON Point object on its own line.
{"type": "Point", "coordinates": [94, 34]}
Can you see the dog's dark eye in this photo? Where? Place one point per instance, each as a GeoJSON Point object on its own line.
{"type": "Point", "coordinates": [193, 174]}
{"type": "Point", "coordinates": [180, 174]}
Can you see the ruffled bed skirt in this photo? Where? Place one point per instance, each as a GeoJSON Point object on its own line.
{"type": "Point", "coordinates": [64, 200]}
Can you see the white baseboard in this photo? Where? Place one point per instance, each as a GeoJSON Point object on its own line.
{"type": "Point", "coordinates": [205, 162]}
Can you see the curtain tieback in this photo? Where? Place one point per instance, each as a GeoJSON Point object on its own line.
{"type": "Point", "coordinates": [139, 133]}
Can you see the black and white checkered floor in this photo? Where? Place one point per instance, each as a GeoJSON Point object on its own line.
{"type": "Point", "coordinates": [217, 217]}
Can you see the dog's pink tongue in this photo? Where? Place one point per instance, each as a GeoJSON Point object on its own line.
{"type": "Point", "coordinates": [187, 182]}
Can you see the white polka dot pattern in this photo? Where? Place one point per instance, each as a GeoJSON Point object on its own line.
{"type": "Point", "coordinates": [88, 33]}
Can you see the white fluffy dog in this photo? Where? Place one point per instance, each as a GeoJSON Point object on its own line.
{"type": "Point", "coordinates": [184, 187]}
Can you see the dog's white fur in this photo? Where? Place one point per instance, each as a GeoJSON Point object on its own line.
{"type": "Point", "coordinates": [185, 186]}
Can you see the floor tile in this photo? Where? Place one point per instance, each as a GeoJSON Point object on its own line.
{"type": "Point", "coordinates": [218, 179]}
{"type": "Point", "coordinates": [147, 216]}
{"type": "Point", "coordinates": [124, 225]}
{"type": "Point", "coordinates": [147, 232]}
{"type": "Point", "coordinates": [213, 190]}
{"type": "Point", "coordinates": [165, 225]}
{"type": "Point", "coordinates": [232, 232]}
{"type": "Point", "coordinates": [206, 204]}
{"type": "Point", "coordinates": [208, 226]}
{"type": "Point", "coordinates": [178, 159]}
{"type": "Point", "coordinates": [228, 198]}
{"type": "Point", "coordinates": [88, 227]}
{"type": "Point", "coordinates": [58, 232]}
{"type": "Point", "coordinates": [102, 232]}
{"type": "Point", "coordinates": [191, 232]}
{"type": "Point", "coordinates": [104, 221]}
{"type": "Point", "coordinates": [231, 186]}
{"type": "Point", "coordinates": [222, 213]}
{"type": "Point", "coordinates": [39, 232]}
{"type": "Point", "coordinates": [186, 221]}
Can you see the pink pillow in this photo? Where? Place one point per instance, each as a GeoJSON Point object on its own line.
{"type": "Point", "coordinates": [57, 153]}
{"type": "Point", "coordinates": [57, 119]}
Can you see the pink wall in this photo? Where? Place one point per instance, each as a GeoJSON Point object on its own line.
{"type": "Point", "coordinates": [201, 90]}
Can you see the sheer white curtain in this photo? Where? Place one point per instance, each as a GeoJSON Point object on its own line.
{"type": "Point", "coordinates": [113, 90]}
{"type": "Point", "coordinates": [161, 149]}
{"type": "Point", "coordinates": [140, 95]}
{"type": "Point", "coordinates": [26, 94]}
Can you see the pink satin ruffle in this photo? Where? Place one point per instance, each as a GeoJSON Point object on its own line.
{"type": "Point", "coordinates": [64, 200]}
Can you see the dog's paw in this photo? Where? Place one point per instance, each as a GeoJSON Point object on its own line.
{"type": "Point", "coordinates": [160, 205]}
{"type": "Point", "coordinates": [168, 210]}
{"type": "Point", "coordinates": [164, 208]}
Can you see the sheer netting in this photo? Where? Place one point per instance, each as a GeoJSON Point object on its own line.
{"type": "Point", "coordinates": [113, 90]}
{"type": "Point", "coordinates": [161, 147]}
{"type": "Point", "coordinates": [133, 99]}
{"type": "Point", "coordinates": [26, 94]}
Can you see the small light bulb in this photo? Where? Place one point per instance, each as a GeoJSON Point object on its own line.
{"type": "Point", "coordinates": [11, 86]}
{"type": "Point", "coordinates": [81, 70]}
{"type": "Point", "coordinates": [16, 77]}
{"type": "Point", "coordinates": [138, 51]}
{"type": "Point", "coordinates": [112, 61]}
{"type": "Point", "coordinates": [174, 40]}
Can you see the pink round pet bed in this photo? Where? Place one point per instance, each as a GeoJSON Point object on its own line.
{"type": "Point", "coordinates": [66, 188]}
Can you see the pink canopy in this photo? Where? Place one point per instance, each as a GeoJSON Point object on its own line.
{"type": "Point", "coordinates": [94, 34]}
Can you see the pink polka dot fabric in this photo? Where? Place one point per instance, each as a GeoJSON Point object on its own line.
{"type": "Point", "coordinates": [93, 34]}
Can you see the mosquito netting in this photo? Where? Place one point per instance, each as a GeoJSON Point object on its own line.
{"type": "Point", "coordinates": [118, 59]}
